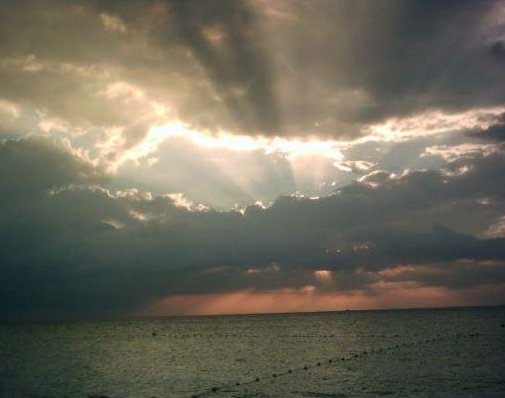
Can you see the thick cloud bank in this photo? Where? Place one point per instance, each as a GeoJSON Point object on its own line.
{"type": "Point", "coordinates": [70, 248]}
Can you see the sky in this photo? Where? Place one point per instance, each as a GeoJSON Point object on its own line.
{"type": "Point", "coordinates": [163, 157]}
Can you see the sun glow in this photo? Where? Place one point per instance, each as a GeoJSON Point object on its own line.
{"type": "Point", "coordinates": [309, 299]}
{"type": "Point", "coordinates": [289, 148]}
{"type": "Point", "coordinates": [396, 129]}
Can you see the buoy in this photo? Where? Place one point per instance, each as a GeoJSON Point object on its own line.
{"type": "Point", "coordinates": [237, 383]}
{"type": "Point", "coordinates": [290, 371]}
{"type": "Point", "coordinates": [214, 389]}
{"type": "Point", "coordinates": [257, 379]}
{"type": "Point", "coordinates": [274, 375]}
{"type": "Point", "coordinates": [305, 367]}
{"type": "Point", "coordinates": [330, 361]}
{"type": "Point", "coordinates": [319, 364]}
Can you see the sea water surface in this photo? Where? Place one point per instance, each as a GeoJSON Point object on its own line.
{"type": "Point", "coordinates": [401, 353]}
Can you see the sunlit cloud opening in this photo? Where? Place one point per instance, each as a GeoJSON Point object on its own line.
{"type": "Point", "coordinates": [291, 148]}
{"type": "Point", "coordinates": [395, 129]}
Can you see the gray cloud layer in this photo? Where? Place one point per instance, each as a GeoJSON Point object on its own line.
{"type": "Point", "coordinates": [255, 67]}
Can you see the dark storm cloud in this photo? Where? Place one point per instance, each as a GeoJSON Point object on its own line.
{"type": "Point", "coordinates": [496, 132]}
{"type": "Point", "coordinates": [73, 250]}
{"type": "Point", "coordinates": [355, 62]}
{"type": "Point", "coordinates": [33, 166]}
{"type": "Point", "coordinates": [225, 38]}
{"type": "Point", "coordinates": [439, 244]}
{"type": "Point", "coordinates": [498, 49]}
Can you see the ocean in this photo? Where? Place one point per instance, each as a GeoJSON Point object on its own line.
{"type": "Point", "coordinates": [458, 352]}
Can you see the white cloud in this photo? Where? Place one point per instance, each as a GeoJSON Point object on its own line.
{"type": "Point", "coordinates": [497, 230]}
{"type": "Point", "coordinates": [124, 90]}
{"type": "Point", "coordinates": [113, 23]}
{"type": "Point", "coordinates": [9, 111]}
{"type": "Point", "coordinates": [452, 153]}
{"type": "Point", "coordinates": [179, 200]}
{"type": "Point", "coordinates": [431, 123]}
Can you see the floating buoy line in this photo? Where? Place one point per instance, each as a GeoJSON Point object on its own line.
{"type": "Point", "coordinates": [334, 361]}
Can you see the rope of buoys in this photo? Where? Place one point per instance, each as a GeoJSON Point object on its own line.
{"type": "Point", "coordinates": [356, 355]}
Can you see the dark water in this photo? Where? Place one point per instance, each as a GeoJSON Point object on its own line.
{"type": "Point", "coordinates": [421, 353]}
